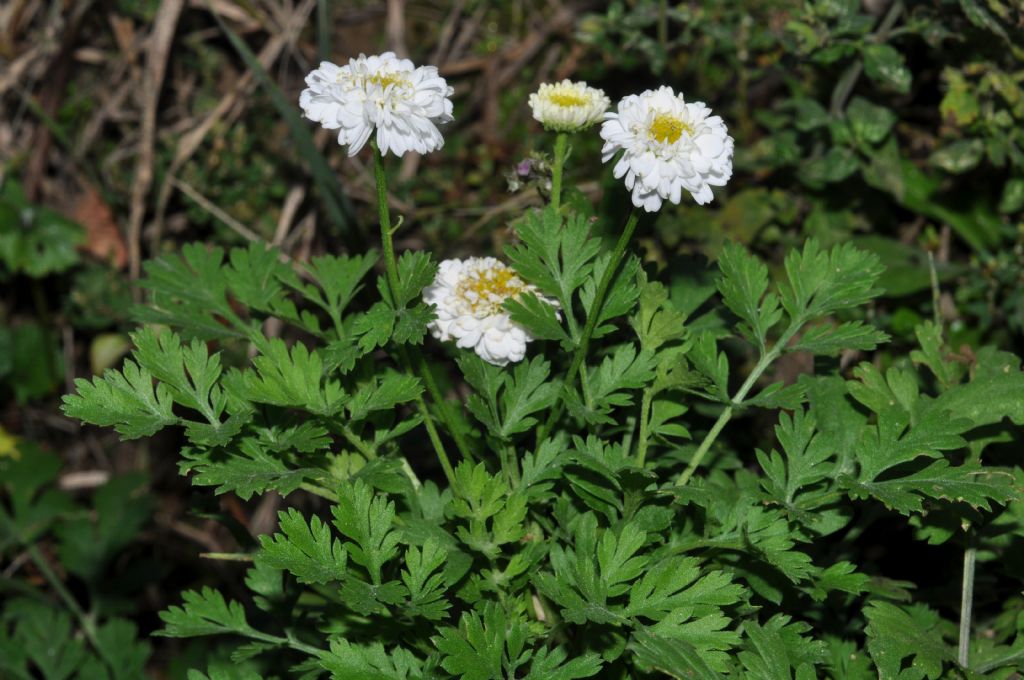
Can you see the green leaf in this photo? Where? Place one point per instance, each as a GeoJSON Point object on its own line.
{"type": "Point", "coordinates": [968, 483]}
{"type": "Point", "coordinates": [308, 551]}
{"type": "Point", "coordinates": [125, 399]}
{"type": "Point", "coordinates": [88, 544]}
{"type": "Point", "coordinates": [870, 123]}
{"type": "Point", "coordinates": [896, 633]}
{"type": "Point", "coordinates": [537, 317]}
{"type": "Point", "coordinates": [426, 588]}
{"type": "Point", "coordinates": [958, 157]}
{"type": "Point", "coordinates": [294, 378]}
{"type": "Point", "coordinates": [366, 519]}
{"type": "Point", "coordinates": [622, 293]}
{"type": "Point", "coordinates": [886, 66]}
{"type": "Point", "coordinates": [190, 373]}
{"type": "Point", "coordinates": [204, 613]}
{"type": "Point", "coordinates": [933, 354]}
{"type": "Point", "coordinates": [1012, 200]}
{"type": "Point", "coordinates": [658, 321]}
{"type": "Point", "coordinates": [255, 275]}
{"type": "Point", "coordinates": [346, 661]}
{"type": "Point", "coordinates": [743, 286]}
{"type": "Point", "coordinates": [550, 664]}
{"type": "Point", "coordinates": [996, 391]}
{"type": "Point", "coordinates": [835, 166]}
{"type": "Point", "coordinates": [831, 340]}
{"type": "Point", "coordinates": [416, 271]}
{"type": "Point", "coordinates": [778, 648]}
{"type": "Point", "coordinates": [189, 292]}
{"type": "Point", "coordinates": [374, 328]}
{"type": "Point", "coordinates": [35, 240]}
{"type": "Point", "coordinates": [487, 380]}
{"type": "Point", "coordinates": [676, 658]}
{"type": "Point", "coordinates": [251, 468]}
{"type": "Point", "coordinates": [527, 392]}
{"type": "Point", "coordinates": [555, 258]}
{"type": "Point", "coordinates": [806, 461]}
{"type": "Point", "coordinates": [383, 394]}
{"type": "Point", "coordinates": [897, 439]}
{"type": "Point", "coordinates": [476, 650]}
{"type": "Point", "coordinates": [338, 280]}
{"type": "Point", "coordinates": [44, 636]}
{"type": "Point", "coordinates": [610, 382]}
{"type": "Point", "coordinates": [712, 364]}
{"type": "Point", "coordinates": [821, 283]}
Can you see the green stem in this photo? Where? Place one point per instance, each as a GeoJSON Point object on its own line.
{"type": "Point", "coordinates": [368, 452]}
{"type": "Point", "coordinates": [384, 216]}
{"type": "Point", "coordinates": [391, 266]}
{"type": "Point", "coordinates": [228, 557]}
{"type": "Point", "coordinates": [645, 414]}
{"type": "Point", "coordinates": [318, 490]}
{"type": "Point", "coordinates": [737, 400]}
{"type": "Point", "coordinates": [561, 143]}
{"type": "Point", "coordinates": [438, 398]}
{"type": "Point", "coordinates": [435, 439]}
{"type": "Point", "coordinates": [592, 316]}
{"type": "Point", "coordinates": [88, 627]}
{"type": "Point", "coordinates": [966, 604]}
{"type": "Point", "coordinates": [602, 291]}
{"type": "Point", "coordinates": [508, 464]}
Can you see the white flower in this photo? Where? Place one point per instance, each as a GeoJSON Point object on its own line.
{"type": "Point", "coordinates": [468, 295]}
{"type": "Point", "coordinates": [568, 106]}
{"type": "Point", "coordinates": [403, 103]}
{"type": "Point", "coordinates": [669, 146]}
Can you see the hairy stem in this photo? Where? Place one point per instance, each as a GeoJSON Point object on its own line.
{"type": "Point", "coordinates": [391, 265]}
{"type": "Point", "coordinates": [88, 627]}
{"type": "Point", "coordinates": [966, 604]}
{"type": "Point", "coordinates": [737, 400]}
{"type": "Point", "coordinates": [558, 165]}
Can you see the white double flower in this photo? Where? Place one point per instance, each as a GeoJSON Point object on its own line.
{"type": "Point", "coordinates": [668, 146]}
{"type": "Point", "coordinates": [402, 103]}
{"type": "Point", "coordinates": [469, 296]}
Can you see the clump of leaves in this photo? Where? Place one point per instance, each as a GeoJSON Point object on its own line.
{"type": "Point", "coordinates": [587, 530]}
{"type": "Point", "coordinates": [45, 630]}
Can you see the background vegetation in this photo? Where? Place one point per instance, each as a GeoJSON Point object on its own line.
{"type": "Point", "coordinates": [132, 127]}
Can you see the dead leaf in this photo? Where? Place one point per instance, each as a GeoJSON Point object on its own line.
{"type": "Point", "coordinates": [103, 239]}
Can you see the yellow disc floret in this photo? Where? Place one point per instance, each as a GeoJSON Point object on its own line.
{"type": "Point", "coordinates": [567, 98]}
{"type": "Point", "coordinates": [667, 128]}
{"type": "Point", "coordinates": [486, 289]}
{"type": "Point", "coordinates": [386, 79]}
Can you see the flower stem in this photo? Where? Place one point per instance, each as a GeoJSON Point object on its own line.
{"type": "Point", "coordinates": [966, 604]}
{"type": "Point", "coordinates": [391, 265]}
{"type": "Point", "coordinates": [592, 316]}
{"type": "Point", "coordinates": [561, 144]}
{"type": "Point", "coordinates": [599, 296]}
{"type": "Point", "coordinates": [384, 216]}
{"type": "Point", "coordinates": [88, 627]}
{"type": "Point", "coordinates": [766, 360]}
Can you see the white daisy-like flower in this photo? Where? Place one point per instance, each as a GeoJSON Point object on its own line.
{"type": "Point", "coordinates": [568, 106]}
{"type": "Point", "coordinates": [669, 146]}
{"type": "Point", "coordinates": [468, 296]}
{"type": "Point", "coordinates": [403, 103]}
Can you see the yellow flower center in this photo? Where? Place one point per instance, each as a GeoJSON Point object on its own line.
{"type": "Point", "coordinates": [486, 290]}
{"type": "Point", "coordinates": [386, 79]}
{"type": "Point", "coordinates": [666, 128]}
{"type": "Point", "coordinates": [567, 99]}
